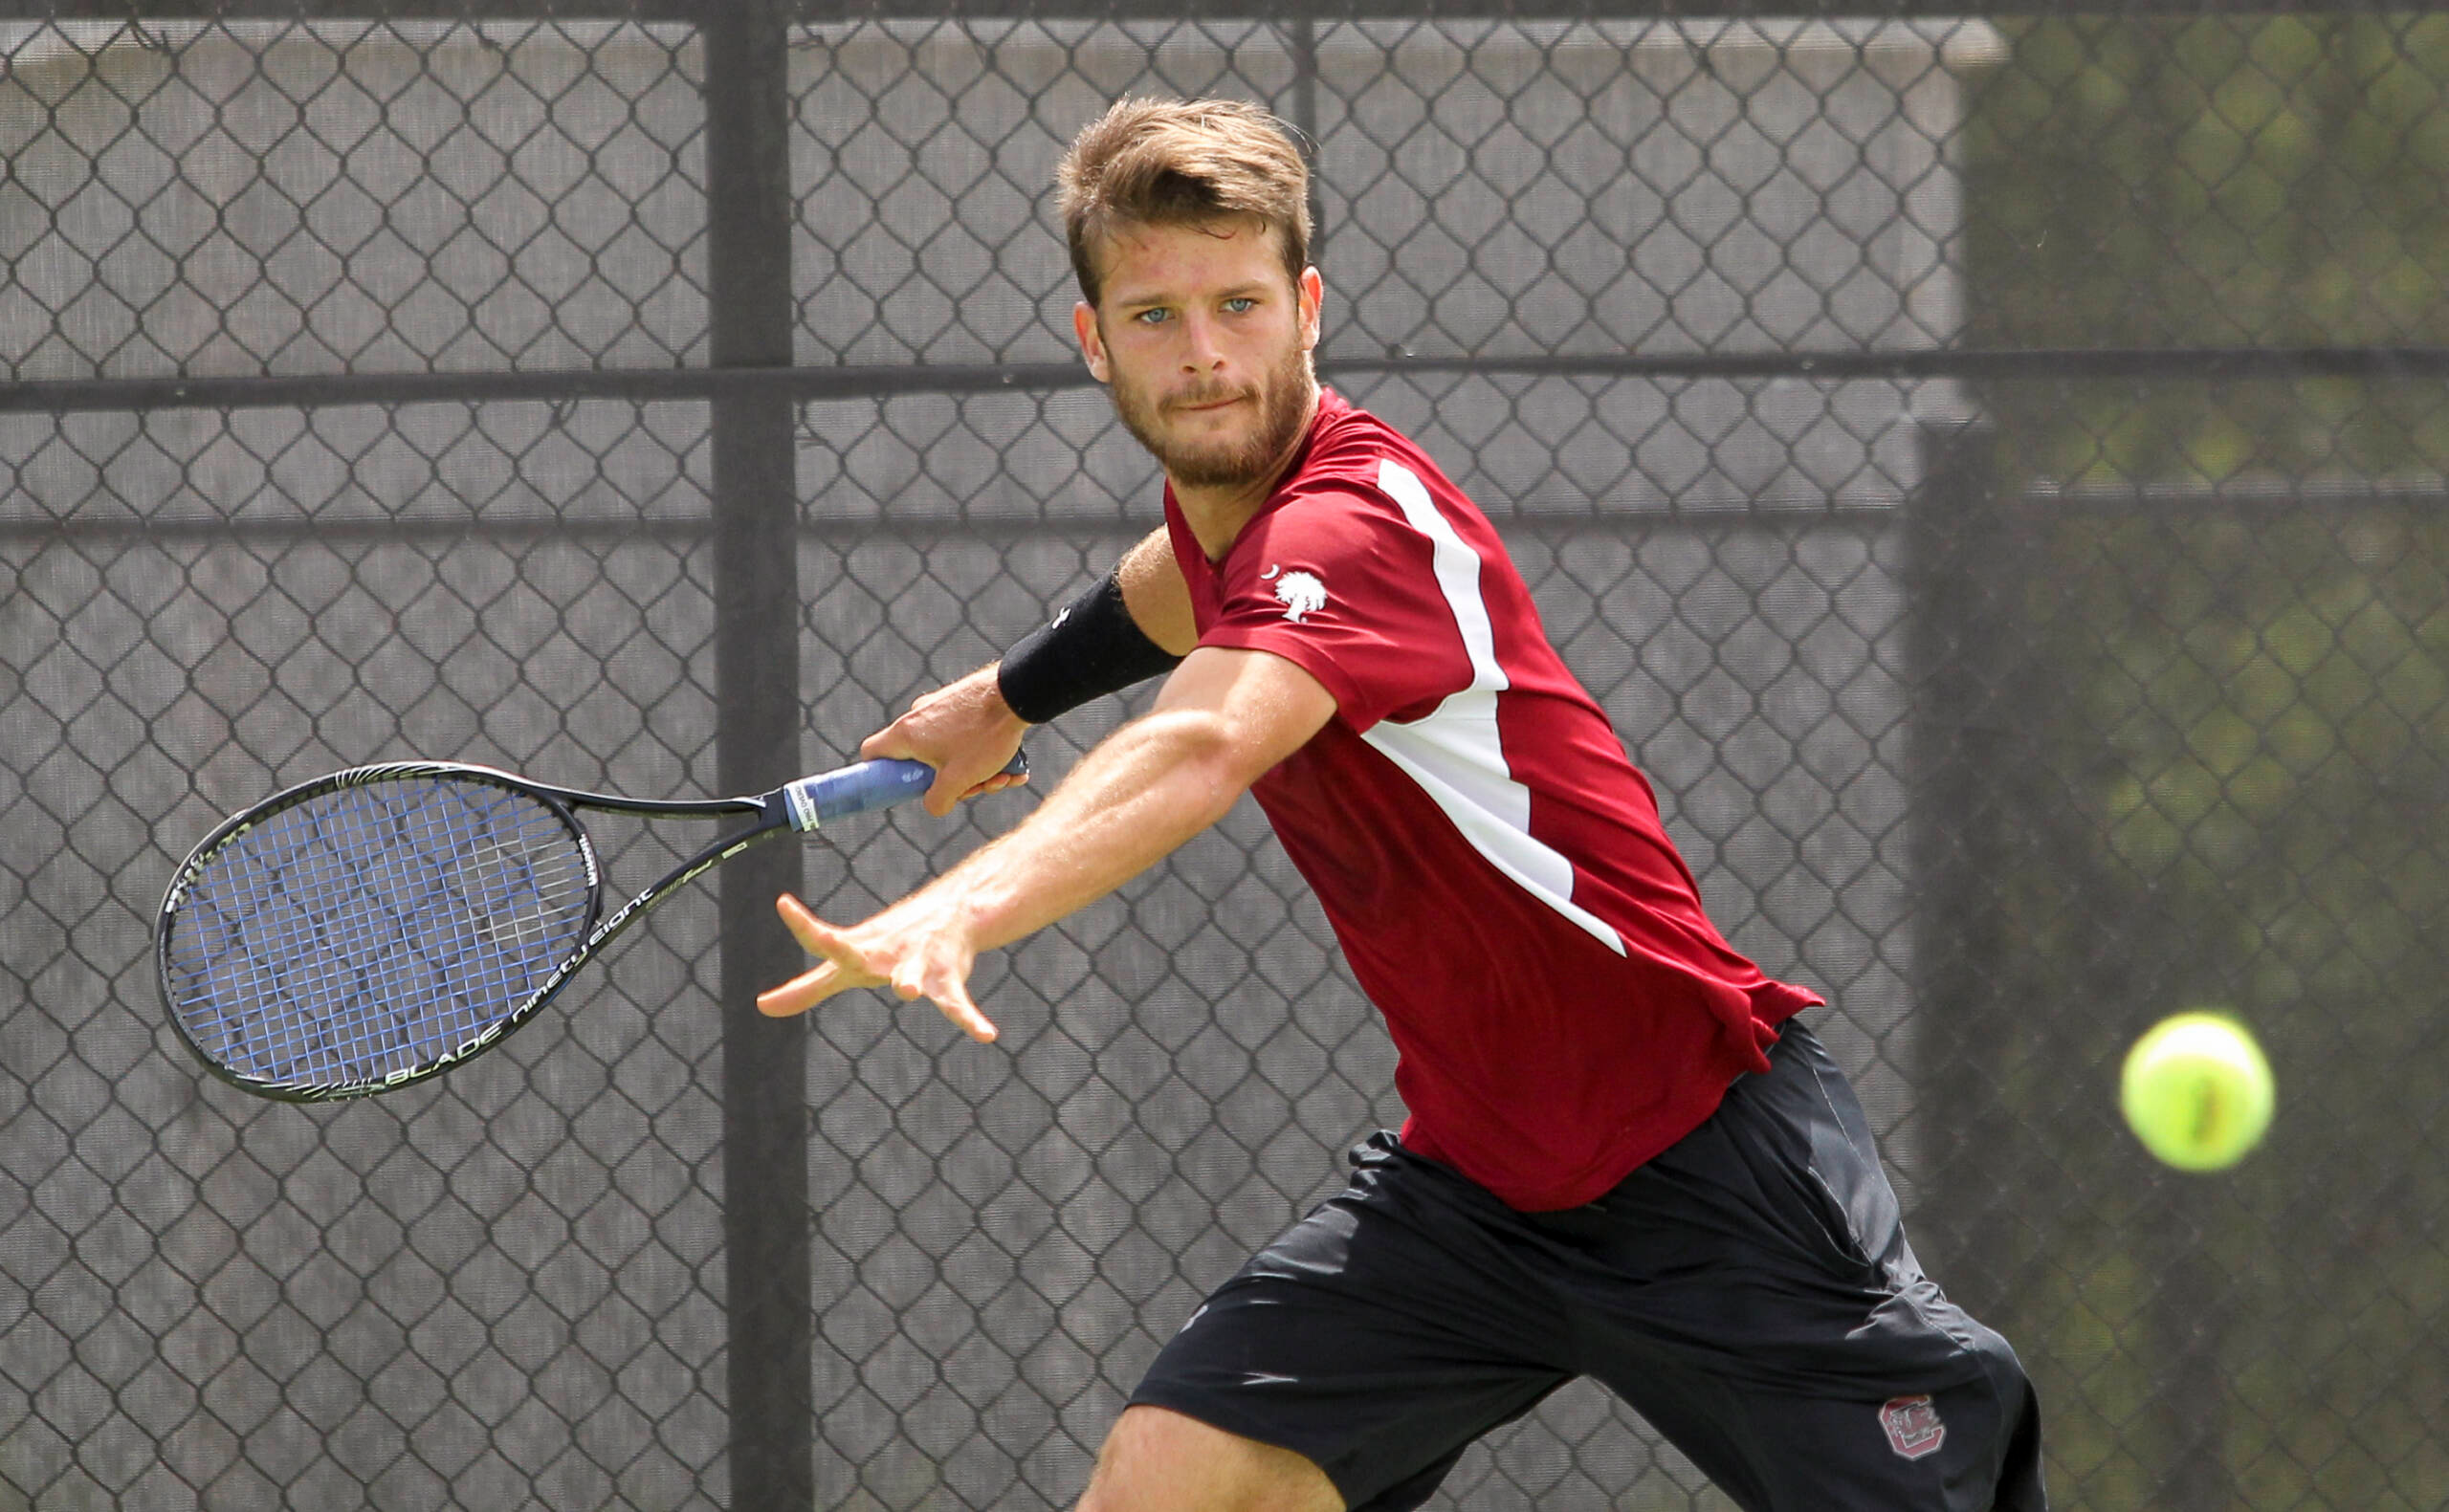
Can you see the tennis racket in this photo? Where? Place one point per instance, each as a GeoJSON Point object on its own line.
{"type": "Point", "coordinates": [381, 925]}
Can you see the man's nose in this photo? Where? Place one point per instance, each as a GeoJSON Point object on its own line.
{"type": "Point", "coordinates": [1201, 353]}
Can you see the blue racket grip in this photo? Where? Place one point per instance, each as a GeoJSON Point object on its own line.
{"type": "Point", "coordinates": [881, 783]}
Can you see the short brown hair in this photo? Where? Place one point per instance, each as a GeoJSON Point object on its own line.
{"type": "Point", "coordinates": [1172, 162]}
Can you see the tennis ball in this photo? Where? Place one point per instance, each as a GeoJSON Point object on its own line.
{"type": "Point", "coordinates": [2197, 1091]}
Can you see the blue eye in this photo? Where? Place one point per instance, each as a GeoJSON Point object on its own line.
{"type": "Point", "coordinates": [1153, 317]}
{"type": "Point", "coordinates": [1240, 304]}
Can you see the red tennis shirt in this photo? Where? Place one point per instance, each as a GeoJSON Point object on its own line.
{"type": "Point", "coordinates": [1492, 864]}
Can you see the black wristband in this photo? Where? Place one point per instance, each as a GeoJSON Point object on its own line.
{"type": "Point", "coordinates": [1094, 647]}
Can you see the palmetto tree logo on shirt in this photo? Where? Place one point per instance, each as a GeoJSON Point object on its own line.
{"type": "Point", "coordinates": [1299, 592]}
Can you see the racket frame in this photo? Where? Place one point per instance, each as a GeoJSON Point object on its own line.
{"type": "Point", "coordinates": [801, 806]}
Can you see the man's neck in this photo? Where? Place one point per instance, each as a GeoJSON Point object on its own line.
{"type": "Point", "coordinates": [1216, 516]}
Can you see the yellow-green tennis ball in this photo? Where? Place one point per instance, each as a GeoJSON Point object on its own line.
{"type": "Point", "coordinates": [2197, 1091]}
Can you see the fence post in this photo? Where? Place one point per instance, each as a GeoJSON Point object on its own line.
{"type": "Point", "coordinates": [756, 724]}
{"type": "Point", "coordinates": [1961, 738]}
{"type": "Point", "coordinates": [1300, 34]}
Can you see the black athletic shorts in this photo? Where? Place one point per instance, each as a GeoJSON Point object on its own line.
{"type": "Point", "coordinates": [1750, 1292]}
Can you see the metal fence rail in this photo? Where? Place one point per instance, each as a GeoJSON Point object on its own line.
{"type": "Point", "coordinates": [1989, 467]}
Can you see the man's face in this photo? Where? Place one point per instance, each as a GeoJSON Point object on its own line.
{"type": "Point", "coordinates": [1206, 345]}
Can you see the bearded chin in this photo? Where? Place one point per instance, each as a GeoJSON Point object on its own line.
{"type": "Point", "coordinates": [1227, 466]}
{"type": "Point", "coordinates": [1230, 465]}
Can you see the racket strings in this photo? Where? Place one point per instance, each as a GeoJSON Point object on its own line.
{"type": "Point", "coordinates": [376, 929]}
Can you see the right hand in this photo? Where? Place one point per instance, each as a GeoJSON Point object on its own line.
{"type": "Point", "coordinates": [964, 730]}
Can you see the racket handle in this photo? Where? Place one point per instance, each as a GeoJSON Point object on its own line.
{"type": "Point", "coordinates": [867, 785]}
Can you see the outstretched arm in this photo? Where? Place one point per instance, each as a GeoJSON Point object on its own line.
{"type": "Point", "coordinates": [966, 731]}
{"type": "Point", "coordinates": [1223, 718]}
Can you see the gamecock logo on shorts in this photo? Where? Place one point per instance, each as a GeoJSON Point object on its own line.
{"type": "Point", "coordinates": [1913, 1426]}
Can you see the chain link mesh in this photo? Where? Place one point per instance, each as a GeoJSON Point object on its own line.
{"type": "Point", "coordinates": [2011, 713]}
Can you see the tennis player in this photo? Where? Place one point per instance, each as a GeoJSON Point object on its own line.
{"type": "Point", "coordinates": [1625, 1157]}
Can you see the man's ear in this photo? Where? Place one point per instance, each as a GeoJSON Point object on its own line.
{"type": "Point", "coordinates": [1312, 291]}
{"type": "Point", "coordinates": [1092, 346]}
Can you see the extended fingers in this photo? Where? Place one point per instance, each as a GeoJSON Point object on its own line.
{"type": "Point", "coordinates": [966, 1017]}
{"type": "Point", "coordinates": [922, 973]}
{"type": "Point", "coordinates": [942, 976]}
{"type": "Point", "coordinates": [815, 936]}
{"type": "Point", "coordinates": [843, 966]}
{"type": "Point", "coordinates": [945, 984]}
{"type": "Point", "coordinates": [949, 994]}
{"type": "Point", "coordinates": [801, 993]}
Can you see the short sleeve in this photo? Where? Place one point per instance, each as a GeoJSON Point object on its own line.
{"type": "Point", "coordinates": [1335, 580]}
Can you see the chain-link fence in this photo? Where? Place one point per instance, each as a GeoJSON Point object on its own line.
{"type": "Point", "coordinates": [1991, 470]}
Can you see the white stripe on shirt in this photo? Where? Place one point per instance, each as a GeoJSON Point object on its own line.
{"type": "Point", "coordinates": [1454, 751]}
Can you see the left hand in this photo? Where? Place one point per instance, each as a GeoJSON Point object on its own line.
{"type": "Point", "coordinates": [920, 948]}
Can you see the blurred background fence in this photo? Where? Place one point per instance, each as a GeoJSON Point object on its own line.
{"type": "Point", "coordinates": [1990, 467]}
